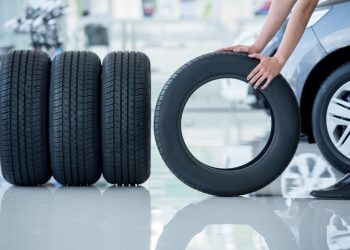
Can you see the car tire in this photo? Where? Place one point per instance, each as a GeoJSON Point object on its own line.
{"type": "Point", "coordinates": [125, 115]}
{"type": "Point", "coordinates": [24, 137]}
{"type": "Point", "coordinates": [74, 118]}
{"type": "Point", "coordinates": [323, 115]}
{"type": "Point", "coordinates": [256, 174]}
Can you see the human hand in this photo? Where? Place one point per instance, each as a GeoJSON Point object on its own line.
{"type": "Point", "coordinates": [268, 69]}
{"type": "Point", "coordinates": [241, 49]}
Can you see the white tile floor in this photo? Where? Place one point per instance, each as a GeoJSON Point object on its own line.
{"type": "Point", "coordinates": [166, 214]}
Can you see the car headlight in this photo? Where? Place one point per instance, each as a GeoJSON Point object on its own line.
{"type": "Point", "coordinates": [316, 16]}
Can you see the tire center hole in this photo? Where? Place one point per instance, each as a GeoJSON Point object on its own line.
{"type": "Point", "coordinates": [226, 124]}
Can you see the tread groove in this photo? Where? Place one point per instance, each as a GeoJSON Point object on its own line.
{"type": "Point", "coordinates": [25, 115]}
{"type": "Point", "coordinates": [23, 128]}
{"type": "Point", "coordinates": [74, 116]}
{"type": "Point", "coordinates": [125, 119]}
{"type": "Point", "coordinates": [18, 118]}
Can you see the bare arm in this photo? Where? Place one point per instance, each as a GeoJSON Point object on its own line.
{"type": "Point", "coordinates": [296, 27]}
{"type": "Point", "coordinates": [278, 13]}
{"type": "Point", "coordinates": [270, 67]}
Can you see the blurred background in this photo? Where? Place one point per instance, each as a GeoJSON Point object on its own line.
{"type": "Point", "coordinates": [174, 29]}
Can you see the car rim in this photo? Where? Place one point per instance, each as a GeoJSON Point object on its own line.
{"type": "Point", "coordinates": [338, 119]}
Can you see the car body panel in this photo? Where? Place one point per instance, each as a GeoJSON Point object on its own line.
{"type": "Point", "coordinates": [333, 30]}
{"type": "Point", "coordinates": [305, 57]}
{"type": "Point", "coordinates": [330, 33]}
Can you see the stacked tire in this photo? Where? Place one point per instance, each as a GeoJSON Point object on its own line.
{"type": "Point", "coordinates": [125, 116]}
{"type": "Point", "coordinates": [77, 120]}
{"type": "Point", "coordinates": [24, 137]}
{"type": "Point", "coordinates": [74, 121]}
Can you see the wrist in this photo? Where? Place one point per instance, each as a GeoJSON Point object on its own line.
{"type": "Point", "coordinates": [280, 58]}
{"type": "Point", "coordinates": [257, 47]}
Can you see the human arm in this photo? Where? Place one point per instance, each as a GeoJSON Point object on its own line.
{"type": "Point", "coordinates": [270, 67]}
{"type": "Point", "coordinates": [278, 13]}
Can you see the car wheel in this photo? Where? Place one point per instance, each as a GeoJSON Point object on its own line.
{"type": "Point", "coordinates": [261, 170]}
{"type": "Point", "coordinates": [24, 139]}
{"type": "Point", "coordinates": [74, 118]}
{"type": "Point", "coordinates": [331, 119]}
{"type": "Point", "coordinates": [125, 118]}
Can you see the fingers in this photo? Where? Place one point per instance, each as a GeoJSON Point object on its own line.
{"type": "Point", "coordinates": [240, 49]}
{"type": "Point", "coordinates": [236, 48]}
{"type": "Point", "coordinates": [261, 80]}
{"type": "Point", "coordinates": [227, 49]}
{"type": "Point", "coordinates": [254, 72]}
{"type": "Point", "coordinates": [266, 71]}
{"type": "Point", "coordinates": [224, 49]}
{"type": "Point", "coordinates": [256, 77]}
{"type": "Point", "coordinates": [256, 56]}
{"type": "Point", "coordinates": [268, 81]}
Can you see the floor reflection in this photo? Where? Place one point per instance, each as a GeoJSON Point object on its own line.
{"type": "Point", "coordinates": [334, 223]}
{"type": "Point", "coordinates": [269, 231]}
{"type": "Point", "coordinates": [75, 218]}
{"type": "Point", "coordinates": [264, 223]}
{"type": "Point", "coordinates": [114, 218]}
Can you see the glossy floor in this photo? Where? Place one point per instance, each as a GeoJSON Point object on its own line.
{"type": "Point", "coordinates": [166, 214]}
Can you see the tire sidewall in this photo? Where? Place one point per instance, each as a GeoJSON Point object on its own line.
{"type": "Point", "coordinates": [219, 181]}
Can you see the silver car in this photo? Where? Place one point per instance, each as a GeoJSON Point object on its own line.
{"type": "Point", "coordinates": [319, 73]}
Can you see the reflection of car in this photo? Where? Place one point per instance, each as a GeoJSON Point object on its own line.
{"type": "Point", "coordinates": [319, 73]}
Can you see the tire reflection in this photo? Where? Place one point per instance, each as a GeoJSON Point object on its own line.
{"type": "Point", "coordinates": [191, 220]}
{"type": "Point", "coordinates": [120, 218]}
{"type": "Point", "coordinates": [75, 218]}
{"type": "Point", "coordinates": [25, 218]}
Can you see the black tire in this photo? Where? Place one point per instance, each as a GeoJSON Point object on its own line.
{"type": "Point", "coordinates": [24, 139]}
{"type": "Point", "coordinates": [74, 118]}
{"type": "Point", "coordinates": [319, 115]}
{"type": "Point", "coordinates": [256, 174]}
{"type": "Point", "coordinates": [125, 111]}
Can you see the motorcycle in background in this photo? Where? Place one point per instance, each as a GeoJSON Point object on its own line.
{"type": "Point", "coordinates": [43, 26]}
